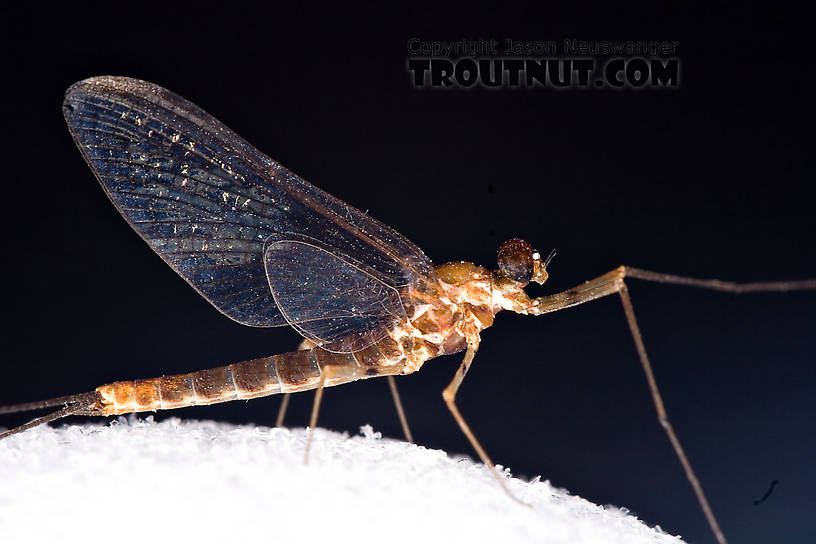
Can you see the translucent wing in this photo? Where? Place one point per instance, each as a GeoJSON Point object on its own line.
{"type": "Point", "coordinates": [304, 270]}
{"type": "Point", "coordinates": [211, 205]}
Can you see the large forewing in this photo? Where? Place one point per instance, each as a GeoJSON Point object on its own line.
{"type": "Point", "coordinates": [209, 203]}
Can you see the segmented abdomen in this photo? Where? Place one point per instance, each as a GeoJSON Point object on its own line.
{"type": "Point", "coordinates": [284, 373]}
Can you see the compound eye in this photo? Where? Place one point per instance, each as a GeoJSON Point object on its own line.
{"type": "Point", "coordinates": [516, 260]}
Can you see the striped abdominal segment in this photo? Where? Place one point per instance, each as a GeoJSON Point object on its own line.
{"type": "Point", "coordinates": [284, 373]}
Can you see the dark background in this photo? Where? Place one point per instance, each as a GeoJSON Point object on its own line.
{"type": "Point", "coordinates": [713, 180]}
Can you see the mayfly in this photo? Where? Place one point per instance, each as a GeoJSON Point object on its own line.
{"type": "Point", "coordinates": [268, 249]}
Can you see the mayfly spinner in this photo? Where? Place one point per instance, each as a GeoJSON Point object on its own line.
{"type": "Point", "coordinates": [268, 249]}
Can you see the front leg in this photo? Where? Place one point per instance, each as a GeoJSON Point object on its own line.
{"type": "Point", "coordinates": [613, 283]}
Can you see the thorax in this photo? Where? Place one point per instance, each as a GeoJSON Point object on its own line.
{"type": "Point", "coordinates": [445, 317]}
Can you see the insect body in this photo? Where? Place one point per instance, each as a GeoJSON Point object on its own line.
{"type": "Point", "coordinates": [443, 322]}
{"type": "Point", "coordinates": [268, 249]}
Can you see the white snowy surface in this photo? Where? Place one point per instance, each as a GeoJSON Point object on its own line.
{"type": "Point", "coordinates": [192, 481]}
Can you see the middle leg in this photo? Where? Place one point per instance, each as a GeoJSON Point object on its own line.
{"type": "Point", "coordinates": [449, 395]}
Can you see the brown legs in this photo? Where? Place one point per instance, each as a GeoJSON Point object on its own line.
{"type": "Point", "coordinates": [612, 282]}
{"type": "Point", "coordinates": [663, 418]}
{"type": "Point", "coordinates": [392, 384]}
{"type": "Point", "coordinates": [318, 398]}
{"type": "Point", "coordinates": [394, 394]}
{"type": "Point", "coordinates": [282, 410]}
{"type": "Point", "coordinates": [449, 395]}
{"type": "Point", "coordinates": [315, 410]}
